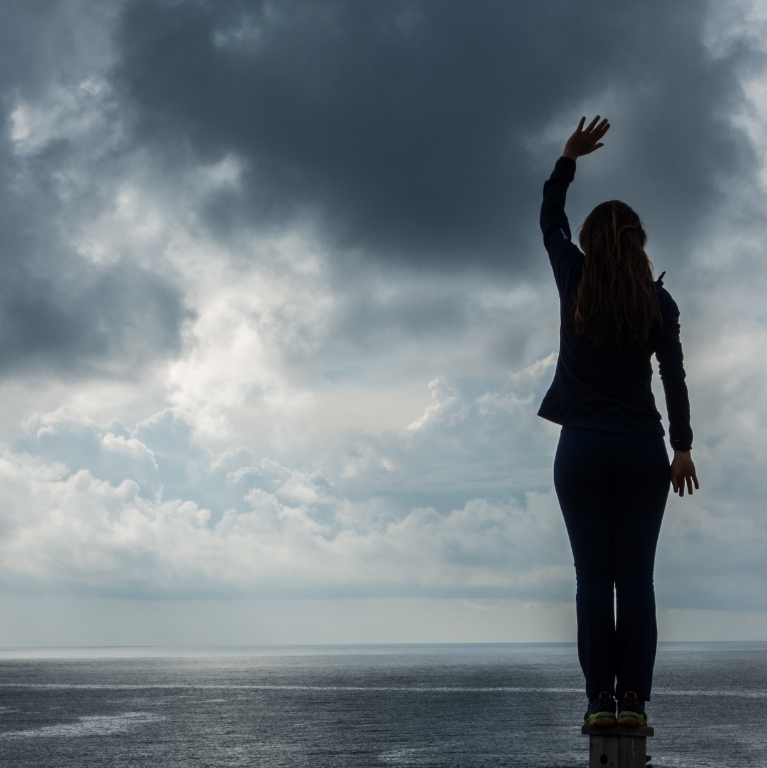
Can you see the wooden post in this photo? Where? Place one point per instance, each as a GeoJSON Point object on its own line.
{"type": "Point", "coordinates": [617, 746]}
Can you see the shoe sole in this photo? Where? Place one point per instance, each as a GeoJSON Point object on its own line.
{"type": "Point", "coordinates": [631, 719]}
{"type": "Point", "coordinates": [601, 720]}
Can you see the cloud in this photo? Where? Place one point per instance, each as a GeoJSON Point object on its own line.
{"type": "Point", "coordinates": [419, 132]}
{"type": "Point", "coordinates": [381, 138]}
{"type": "Point", "coordinates": [105, 510]}
{"type": "Point", "coordinates": [74, 441]}
{"type": "Point", "coordinates": [74, 531]}
{"type": "Point", "coordinates": [460, 506]}
{"type": "Point", "coordinates": [239, 239]}
{"type": "Point", "coordinates": [59, 143]}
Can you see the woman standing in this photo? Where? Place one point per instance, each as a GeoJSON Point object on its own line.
{"type": "Point", "coordinates": [611, 471]}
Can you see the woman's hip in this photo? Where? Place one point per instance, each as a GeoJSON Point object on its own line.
{"type": "Point", "coordinates": [588, 457]}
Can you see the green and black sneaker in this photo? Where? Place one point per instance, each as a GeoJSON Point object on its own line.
{"type": "Point", "coordinates": [601, 710]}
{"type": "Point", "coordinates": [631, 710]}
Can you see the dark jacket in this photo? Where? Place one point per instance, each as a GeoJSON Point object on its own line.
{"type": "Point", "coordinates": [603, 390]}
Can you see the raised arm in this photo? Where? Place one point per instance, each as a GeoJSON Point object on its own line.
{"type": "Point", "coordinates": [554, 224]}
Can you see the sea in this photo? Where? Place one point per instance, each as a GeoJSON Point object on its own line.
{"type": "Point", "coordinates": [453, 706]}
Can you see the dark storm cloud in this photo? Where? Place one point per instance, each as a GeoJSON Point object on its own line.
{"type": "Point", "coordinates": [55, 308]}
{"type": "Point", "coordinates": [407, 126]}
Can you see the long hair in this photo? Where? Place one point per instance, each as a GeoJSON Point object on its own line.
{"type": "Point", "coordinates": [616, 306]}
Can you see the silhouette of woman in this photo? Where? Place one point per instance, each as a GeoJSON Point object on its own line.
{"type": "Point", "coordinates": [611, 471]}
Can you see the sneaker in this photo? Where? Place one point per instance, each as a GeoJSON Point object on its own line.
{"type": "Point", "coordinates": [601, 711]}
{"type": "Point", "coordinates": [631, 710]}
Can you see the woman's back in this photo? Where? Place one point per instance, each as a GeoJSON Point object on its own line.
{"type": "Point", "coordinates": [597, 387]}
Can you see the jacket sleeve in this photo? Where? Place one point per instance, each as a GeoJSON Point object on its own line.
{"type": "Point", "coordinates": [555, 227]}
{"type": "Point", "coordinates": [671, 366]}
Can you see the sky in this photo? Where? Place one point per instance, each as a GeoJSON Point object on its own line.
{"type": "Point", "coordinates": [276, 317]}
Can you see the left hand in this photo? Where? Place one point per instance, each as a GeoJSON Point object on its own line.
{"type": "Point", "coordinates": [584, 142]}
{"type": "Point", "coordinates": [683, 471]}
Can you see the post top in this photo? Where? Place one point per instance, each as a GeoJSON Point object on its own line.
{"type": "Point", "coordinates": [617, 730]}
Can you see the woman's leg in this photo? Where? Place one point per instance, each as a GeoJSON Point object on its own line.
{"type": "Point", "coordinates": [586, 498]}
{"type": "Point", "coordinates": [640, 500]}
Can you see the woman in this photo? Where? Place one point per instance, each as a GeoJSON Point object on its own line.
{"type": "Point", "coordinates": [611, 471]}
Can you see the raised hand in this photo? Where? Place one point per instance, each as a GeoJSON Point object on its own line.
{"type": "Point", "coordinates": [584, 142]}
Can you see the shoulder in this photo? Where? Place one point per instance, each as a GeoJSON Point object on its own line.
{"type": "Point", "coordinates": [667, 304]}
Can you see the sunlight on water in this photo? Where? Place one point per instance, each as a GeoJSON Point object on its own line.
{"type": "Point", "coordinates": [348, 707]}
{"type": "Point", "coordinates": [90, 725]}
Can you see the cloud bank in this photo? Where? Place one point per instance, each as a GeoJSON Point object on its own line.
{"type": "Point", "coordinates": [275, 318]}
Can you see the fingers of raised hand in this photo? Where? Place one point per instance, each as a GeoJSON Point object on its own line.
{"type": "Point", "coordinates": [602, 129]}
{"type": "Point", "coordinates": [594, 132]}
{"type": "Point", "coordinates": [591, 124]}
{"type": "Point", "coordinates": [595, 127]}
{"type": "Point", "coordinates": [585, 141]}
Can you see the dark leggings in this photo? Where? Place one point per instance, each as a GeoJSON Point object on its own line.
{"type": "Point", "coordinates": [612, 489]}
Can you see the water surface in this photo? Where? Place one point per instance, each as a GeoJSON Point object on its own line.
{"type": "Point", "coordinates": [362, 706]}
